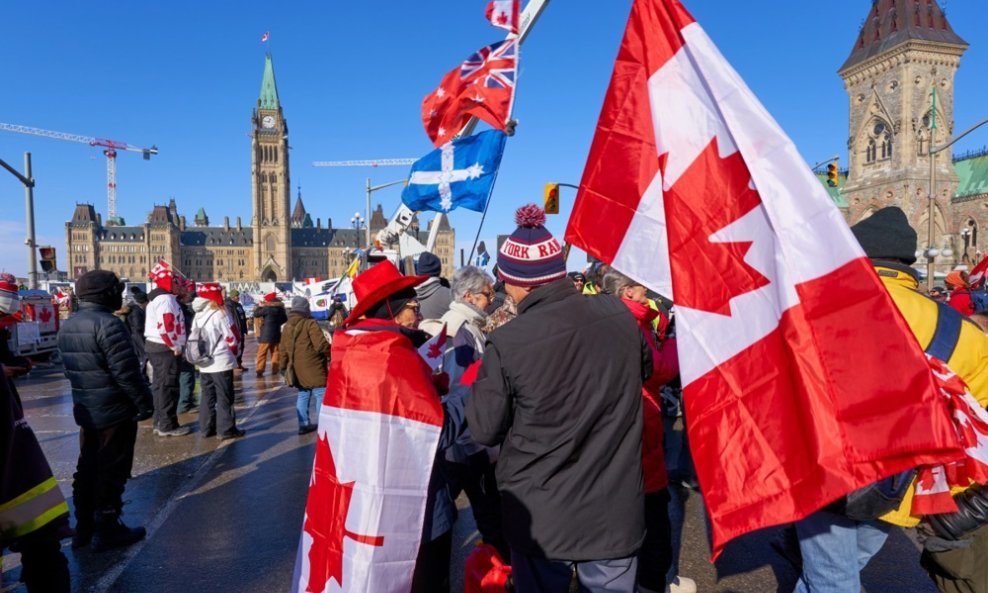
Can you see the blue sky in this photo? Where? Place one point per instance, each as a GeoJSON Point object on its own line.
{"type": "Point", "coordinates": [351, 76]}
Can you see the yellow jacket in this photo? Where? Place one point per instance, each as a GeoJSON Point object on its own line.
{"type": "Point", "coordinates": [969, 359]}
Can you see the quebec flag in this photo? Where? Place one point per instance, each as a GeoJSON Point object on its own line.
{"type": "Point", "coordinates": [460, 173]}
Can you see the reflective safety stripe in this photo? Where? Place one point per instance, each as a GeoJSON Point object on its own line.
{"type": "Point", "coordinates": [32, 510]}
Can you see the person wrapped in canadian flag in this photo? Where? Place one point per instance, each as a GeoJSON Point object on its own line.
{"type": "Point", "coordinates": [379, 516]}
{"type": "Point", "coordinates": [164, 332]}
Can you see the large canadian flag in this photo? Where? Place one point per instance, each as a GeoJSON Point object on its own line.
{"type": "Point", "coordinates": [801, 379]}
{"type": "Point", "coordinates": [379, 428]}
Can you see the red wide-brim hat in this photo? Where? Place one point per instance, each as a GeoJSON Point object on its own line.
{"type": "Point", "coordinates": [377, 284]}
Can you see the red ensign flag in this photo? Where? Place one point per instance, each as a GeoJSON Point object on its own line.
{"type": "Point", "coordinates": [801, 379]}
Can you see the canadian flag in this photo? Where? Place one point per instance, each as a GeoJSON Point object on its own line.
{"type": "Point", "coordinates": [379, 429]}
{"type": "Point", "coordinates": [433, 352]}
{"type": "Point", "coordinates": [504, 14]}
{"type": "Point", "coordinates": [801, 379]}
{"type": "Point", "coordinates": [977, 275]}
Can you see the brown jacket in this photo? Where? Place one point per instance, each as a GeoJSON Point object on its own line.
{"type": "Point", "coordinates": [304, 347]}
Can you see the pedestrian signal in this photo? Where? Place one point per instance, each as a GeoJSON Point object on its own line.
{"type": "Point", "coordinates": [832, 174]}
{"type": "Point", "coordinates": [552, 198]}
{"type": "Point", "coordinates": [48, 263]}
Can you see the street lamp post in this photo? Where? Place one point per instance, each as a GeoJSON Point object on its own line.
{"type": "Point", "coordinates": [371, 189]}
{"type": "Point", "coordinates": [28, 182]}
{"type": "Point", "coordinates": [931, 251]}
{"type": "Point", "coordinates": [357, 222]}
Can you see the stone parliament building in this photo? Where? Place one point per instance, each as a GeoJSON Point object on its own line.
{"type": "Point", "coordinates": [905, 49]}
{"type": "Point", "coordinates": [278, 245]}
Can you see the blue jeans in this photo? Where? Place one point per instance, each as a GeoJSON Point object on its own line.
{"type": "Point", "coordinates": [305, 397]}
{"type": "Point", "coordinates": [835, 549]}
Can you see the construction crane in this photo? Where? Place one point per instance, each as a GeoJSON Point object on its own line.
{"type": "Point", "coordinates": [110, 151]}
{"type": "Point", "coordinates": [367, 163]}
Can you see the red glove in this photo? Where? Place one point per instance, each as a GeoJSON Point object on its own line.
{"type": "Point", "coordinates": [441, 382]}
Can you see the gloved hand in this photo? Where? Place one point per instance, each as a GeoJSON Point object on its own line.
{"type": "Point", "coordinates": [441, 381]}
{"type": "Point", "coordinates": [144, 414]}
{"type": "Point", "coordinates": [972, 513]}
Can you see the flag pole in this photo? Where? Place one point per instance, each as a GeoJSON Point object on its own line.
{"type": "Point", "coordinates": [527, 20]}
{"type": "Point", "coordinates": [483, 216]}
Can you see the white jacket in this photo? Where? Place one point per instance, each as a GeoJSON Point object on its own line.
{"type": "Point", "coordinates": [164, 322]}
{"type": "Point", "coordinates": [215, 326]}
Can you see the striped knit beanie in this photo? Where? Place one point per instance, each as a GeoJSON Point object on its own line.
{"type": "Point", "coordinates": [10, 302]}
{"type": "Point", "coordinates": [530, 256]}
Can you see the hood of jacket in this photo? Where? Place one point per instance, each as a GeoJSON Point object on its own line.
{"type": "Point", "coordinates": [200, 304]}
{"type": "Point", "coordinates": [428, 288]}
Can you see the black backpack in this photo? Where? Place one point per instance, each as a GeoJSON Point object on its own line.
{"type": "Point", "coordinates": [883, 496]}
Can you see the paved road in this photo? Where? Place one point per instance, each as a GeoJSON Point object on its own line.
{"type": "Point", "coordinates": [226, 517]}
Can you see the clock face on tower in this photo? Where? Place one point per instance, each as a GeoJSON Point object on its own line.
{"type": "Point", "coordinates": [267, 121]}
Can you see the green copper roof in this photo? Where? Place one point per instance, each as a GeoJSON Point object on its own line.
{"type": "Point", "coordinates": [973, 176]}
{"type": "Point", "coordinates": [836, 193]}
{"type": "Point", "coordinates": [201, 214]}
{"type": "Point", "coordinates": [307, 222]}
{"type": "Point", "coordinates": [269, 90]}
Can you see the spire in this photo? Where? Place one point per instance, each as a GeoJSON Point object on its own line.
{"type": "Point", "coordinates": [269, 90]}
{"type": "Point", "coordinates": [298, 213]}
{"type": "Point", "coordinates": [893, 22]}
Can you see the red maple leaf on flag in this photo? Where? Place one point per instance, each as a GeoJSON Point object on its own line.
{"type": "Point", "coordinates": [325, 521]}
{"type": "Point", "coordinates": [436, 347]}
{"type": "Point", "coordinates": [713, 193]}
{"type": "Point", "coordinates": [502, 19]}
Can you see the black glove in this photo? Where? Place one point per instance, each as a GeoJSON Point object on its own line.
{"type": "Point", "coordinates": [144, 414]}
{"type": "Point", "coordinates": [972, 513]}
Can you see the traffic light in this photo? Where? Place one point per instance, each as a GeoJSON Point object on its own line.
{"type": "Point", "coordinates": [48, 263]}
{"type": "Point", "coordinates": [833, 174]}
{"type": "Point", "coordinates": [552, 198]}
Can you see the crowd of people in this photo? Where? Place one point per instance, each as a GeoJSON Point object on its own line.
{"type": "Point", "coordinates": [565, 449]}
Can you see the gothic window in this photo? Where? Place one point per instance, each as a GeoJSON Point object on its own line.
{"type": "Point", "coordinates": [887, 146]}
{"type": "Point", "coordinates": [269, 243]}
{"type": "Point", "coordinates": [870, 151]}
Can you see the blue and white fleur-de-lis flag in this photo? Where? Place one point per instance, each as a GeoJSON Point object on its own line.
{"type": "Point", "coordinates": [459, 174]}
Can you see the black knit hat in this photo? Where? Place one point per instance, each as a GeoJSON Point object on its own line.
{"type": "Point", "coordinates": [428, 265]}
{"type": "Point", "coordinates": [140, 297]}
{"type": "Point", "coordinates": [886, 234]}
{"type": "Point", "coordinates": [95, 284]}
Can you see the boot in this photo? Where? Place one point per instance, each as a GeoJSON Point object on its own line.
{"type": "Point", "coordinates": [112, 533]}
{"type": "Point", "coordinates": [83, 535]}
{"type": "Point", "coordinates": [85, 526]}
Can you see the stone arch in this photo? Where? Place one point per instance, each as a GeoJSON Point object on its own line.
{"type": "Point", "coordinates": [939, 228]}
{"type": "Point", "coordinates": [269, 275]}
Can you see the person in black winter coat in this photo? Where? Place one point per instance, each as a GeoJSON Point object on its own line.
{"type": "Point", "coordinates": [135, 320]}
{"type": "Point", "coordinates": [273, 316]}
{"type": "Point", "coordinates": [239, 316]}
{"type": "Point", "coordinates": [560, 390]}
{"type": "Point", "coordinates": [109, 397]}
